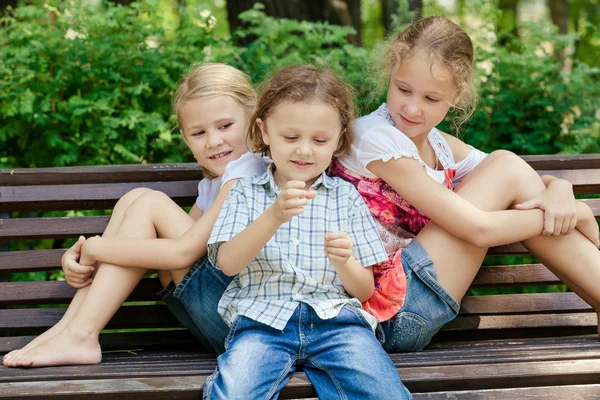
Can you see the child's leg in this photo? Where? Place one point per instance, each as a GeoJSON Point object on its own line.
{"type": "Point", "coordinates": [344, 360]}
{"type": "Point", "coordinates": [111, 229]}
{"type": "Point", "coordinates": [78, 343]}
{"type": "Point", "coordinates": [258, 362]}
{"type": "Point", "coordinates": [498, 184]}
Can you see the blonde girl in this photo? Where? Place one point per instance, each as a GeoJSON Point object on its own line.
{"type": "Point", "coordinates": [301, 245]}
{"type": "Point", "coordinates": [213, 105]}
{"type": "Point", "coordinates": [439, 203]}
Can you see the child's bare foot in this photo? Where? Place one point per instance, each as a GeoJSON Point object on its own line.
{"type": "Point", "coordinates": [68, 347]}
{"type": "Point", "coordinates": [50, 333]}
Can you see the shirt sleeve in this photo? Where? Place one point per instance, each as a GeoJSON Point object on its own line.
{"type": "Point", "coordinates": [468, 163]}
{"type": "Point", "coordinates": [247, 166]}
{"type": "Point", "coordinates": [367, 247]}
{"type": "Point", "coordinates": [378, 140]}
{"type": "Point", "coordinates": [233, 218]}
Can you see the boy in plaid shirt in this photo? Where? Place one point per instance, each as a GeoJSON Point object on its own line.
{"type": "Point", "coordinates": [301, 244]}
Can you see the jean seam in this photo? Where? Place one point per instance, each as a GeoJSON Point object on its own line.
{"type": "Point", "coordinates": [361, 318]}
{"type": "Point", "coordinates": [318, 365]}
{"type": "Point", "coordinates": [283, 374]}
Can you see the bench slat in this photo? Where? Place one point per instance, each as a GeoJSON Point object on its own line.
{"type": "Point", "coordinates": [550, 320]}
{"type": "Point", "coordinates": [151, 316]}
{"type": "Point", "coordinates": [85, 196]}
{"type": "Point", "coordinates": [511, 275]}
{"type": "Point", "coordinates": [192, 171]}
{"type": "Point", "coordinates": [70, 227]}
{"type": "Point", "coordinates": [100, 174]}
{"type": "Point", "coordinates": [520, 303]}
{"type": "Point", "coordinates": [589, 392]}
{"type": "Point", "coordinates": [55, 292]}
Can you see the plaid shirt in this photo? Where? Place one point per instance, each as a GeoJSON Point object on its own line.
{"type": "Point", "coordinates": [292, 267]}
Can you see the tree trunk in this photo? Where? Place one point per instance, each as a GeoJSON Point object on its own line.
{"type": "Point", "coordinates": [559, 11]}
{"type": "Point", "coordinates": [389, 8]}
{"type": "Point", "coordinates": [338, 12]}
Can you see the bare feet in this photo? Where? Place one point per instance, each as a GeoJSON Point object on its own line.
{"type": "Point", "coordinates": [50, 333]}
{"type": "Point", "coordinates": [68, 347]}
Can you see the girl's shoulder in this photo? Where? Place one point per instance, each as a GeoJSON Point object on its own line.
{"type": "Point", "coordinates": [460, 150]}
{"type": "Point", "coordinates": [247, 166]}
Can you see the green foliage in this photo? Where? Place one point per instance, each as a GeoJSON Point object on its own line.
{"type": "Point", "coordinates": [82, 85]}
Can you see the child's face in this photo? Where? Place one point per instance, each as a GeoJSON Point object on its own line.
{"type": "Point", "coordinates": [420, 93]}
{"type": "Point", "coordinates": [302, 138]}
{"type": "Point", "coordinates": [214, 129]}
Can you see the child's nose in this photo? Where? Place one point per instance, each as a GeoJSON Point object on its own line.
{"type": "Point", "coordinates": [303, 149]}
{"type": "Point", "coordinates": [214, 139]}
{"type": "Point", "coordinates": [413, 109]}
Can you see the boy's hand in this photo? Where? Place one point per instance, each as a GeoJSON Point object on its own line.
{"type": "Point", "coordinates": [77, 275]}
{"type": "Point", "coordinates": [291, 201]}
{"type": "Point", "coordinates": [338, 247]}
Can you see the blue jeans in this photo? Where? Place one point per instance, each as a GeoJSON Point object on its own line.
{"type": "Point", "coordinates": [426, 309]}
{"type": "Point", "coordinates": [341, 356]}
{"type": "Point", "coordinates": [194, 303]}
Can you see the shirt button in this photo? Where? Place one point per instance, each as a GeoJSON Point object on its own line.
{"type": "Point", "coordinates": [296, 242]}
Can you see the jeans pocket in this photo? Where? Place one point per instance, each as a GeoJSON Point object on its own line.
{"type": "Point", "coordinates": [408, 333]}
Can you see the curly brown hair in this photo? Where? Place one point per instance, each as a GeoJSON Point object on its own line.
{"type": "Point", "coordinates": [300, 84]}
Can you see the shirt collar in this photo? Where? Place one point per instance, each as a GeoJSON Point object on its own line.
{"type": "Point", "coordinates": [267, 179]}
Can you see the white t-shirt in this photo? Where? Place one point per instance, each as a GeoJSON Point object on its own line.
{"type": "Point", "coordinates": [377, 138]}
{"type": "Point", "coordinates": [248, 165]}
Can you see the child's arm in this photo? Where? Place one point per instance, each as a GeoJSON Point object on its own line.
{"type": "Point", "coordinates": [454, 213]}
{"type": "Point", "coordinates": [235, 254]}
{"type": "Point", "coordinates": [165, 254]}
{"type": "Point", "coordinates": [357, 280]}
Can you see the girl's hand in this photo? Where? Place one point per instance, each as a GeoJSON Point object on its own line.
{"type": "Point", "coordinates": [559, 205]}
{"type": "Point", "coordinates": [338, 247]}
{"type": "Point", "coordinates": [291, 201]}
{"type": "Point", "coordinates": [76, 274]}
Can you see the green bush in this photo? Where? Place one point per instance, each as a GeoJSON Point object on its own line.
{"type": "Point", "coordinates": [82, 85]}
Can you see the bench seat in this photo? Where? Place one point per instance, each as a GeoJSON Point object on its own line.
{"type": "Point", "coordinates": [501, 346]}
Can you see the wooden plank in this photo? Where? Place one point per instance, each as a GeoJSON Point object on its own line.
{"type": "Point", "coordinates": [585, 181]}
{"type": "Point", "coordinates": [55, 228]}
{"type": "Point", "coordinates": [551, 320]}
{"type": "Point", "coordinates": [100, 174]}
{"type": "Point", "coordinates": [55, 292]}
{"type": "Point", "coordinates": [85, 196]}
{"type": "Point", "coordinates": [571, 392]}
{"type": "Point", "coordinates": [563, 161]}
{"type": "Point", "coordinates": [151, 316]}
{"type": "Point", "coordinates": [421, 379]}
{"type": "Point", "coordinates": [522, 303]}
{"type": "Point", "coordinates": [31, 260]}
{"type": "Point", "coordinates": [176, 339]}
{"type": "Point", "coordinates": [512, 275]}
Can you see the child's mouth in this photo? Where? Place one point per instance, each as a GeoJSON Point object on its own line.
{"type": "Point", "coordinates": [220, 156]}
{"type": "Point", "coordinates": [301, 164]}
{"type": "Point", "coordinates": [408, 121]}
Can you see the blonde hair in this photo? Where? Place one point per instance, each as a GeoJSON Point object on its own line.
{"type": "Point", "coordinates": [299, 84]}
{"type": "Point", "coordinates": [443, 39]}
{"type": "Point", "coordinates": [214, 79]}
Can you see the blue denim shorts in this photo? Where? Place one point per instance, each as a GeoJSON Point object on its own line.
{"type": "Point", "coordinates": [426, 309]}
{"type": "Point", "coordinates": [194, 302]}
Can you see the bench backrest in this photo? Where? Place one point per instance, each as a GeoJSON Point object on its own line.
{"type": "Point", "coordinates": [27, 308]}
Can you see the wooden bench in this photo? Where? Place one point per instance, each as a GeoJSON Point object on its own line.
{"type": "Point", "coordinates": [507, 346]}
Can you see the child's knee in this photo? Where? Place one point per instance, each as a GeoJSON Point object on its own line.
{"type": "Point", "coordinates": [128, 198]}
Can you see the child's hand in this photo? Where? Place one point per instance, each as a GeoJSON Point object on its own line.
{"type": "Point", "coordinates": [338, 247]}
{"type": "Point", "coordinates": [559, 205]}
{"type": "Point", "coordinates": [77, 275]}
{"type": "Point", "coordinates": [291, 201]}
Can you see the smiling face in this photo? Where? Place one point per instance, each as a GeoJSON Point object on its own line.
{"type": "Point", "coordinates": [214, 129]}
{"type": "Point", "coordinates": [302, 138]}
{"type": "Point", "coordinates": [420, 93]}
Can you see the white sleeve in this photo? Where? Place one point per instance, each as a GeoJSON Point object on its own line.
{"type": "Point", "coordinates": [378, 140]}
{"type": "Point", "coordinates": [468, 163]}
{"type": "Point", "coordinates": [247, 166]}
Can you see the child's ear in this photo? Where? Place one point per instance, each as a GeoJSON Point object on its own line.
{"type": "Point", "coordinates": [183, 136]}
{"type": "Point", "coordinates": [263, 132]}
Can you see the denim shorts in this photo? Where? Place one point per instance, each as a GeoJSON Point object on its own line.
{"type": "Point", "coordinates": [426, 309]}
{"type": "Point", "coordinates": [194, 302]}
